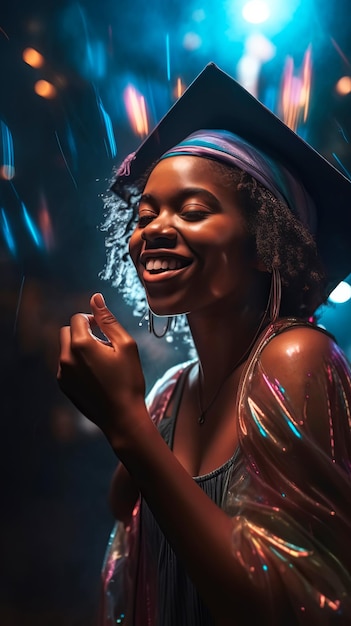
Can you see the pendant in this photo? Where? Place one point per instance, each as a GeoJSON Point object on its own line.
{"type": "Point", "coordinates": [201, 419]}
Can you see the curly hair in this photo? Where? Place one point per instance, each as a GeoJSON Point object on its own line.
{"type": "Point", "coordinates": [280, 239]}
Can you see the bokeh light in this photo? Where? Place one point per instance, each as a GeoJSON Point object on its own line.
{"type": "Point", "coordinates": [343, 86]}
{"type": "Point", "coordinates": [33, 58]}
{"type": "Point", "coordinates": [136, 110]}
{"type": "Point", "coordinates": [256, 11]}
{"type": "Point", "coordinates": [7, 172]}
{"type": "Point", "coordinates": [341, 293]}
{"type": "Point", "coordinates": [45, 89]}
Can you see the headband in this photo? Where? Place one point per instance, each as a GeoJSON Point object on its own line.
{"type": "Point", "coordinates": [225, 147]}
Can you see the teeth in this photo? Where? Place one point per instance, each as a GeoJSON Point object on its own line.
{"type": "Point", "coordinates": [164, 264]}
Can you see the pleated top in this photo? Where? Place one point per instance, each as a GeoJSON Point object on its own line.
{"type": "Point", "coordinates": [177, 599]}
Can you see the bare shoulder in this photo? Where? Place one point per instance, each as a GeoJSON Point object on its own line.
{"type": "Point", "coordinates": [298, 347]}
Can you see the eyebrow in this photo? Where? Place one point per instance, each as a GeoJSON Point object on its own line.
{"type": "Point", "coordinates": [184, 194]}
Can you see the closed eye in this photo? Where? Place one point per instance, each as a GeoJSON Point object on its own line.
{"type": "Point", "coordinates": [194, 211]}
{"type": "Point", "coordinates": [145, 218]}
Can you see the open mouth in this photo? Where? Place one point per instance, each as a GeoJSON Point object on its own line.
{"type": "Point", "coordinates": [158, 265]}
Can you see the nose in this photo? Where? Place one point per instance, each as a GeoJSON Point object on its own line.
{"type": "Point", "coordinates": [160, 232]}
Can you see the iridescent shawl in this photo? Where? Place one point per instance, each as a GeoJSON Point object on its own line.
{"type": "Point", "coordinates": [291, 511]}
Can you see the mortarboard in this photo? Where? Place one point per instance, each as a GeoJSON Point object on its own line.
{"type": "Point", "coordinates": [214, 100]}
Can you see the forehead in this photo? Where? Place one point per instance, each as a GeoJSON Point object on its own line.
{"type": "Point", "coordinates": [183, 170]}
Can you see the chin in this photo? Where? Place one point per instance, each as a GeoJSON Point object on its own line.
{"type": "Point", "coordinates": [160, 310]}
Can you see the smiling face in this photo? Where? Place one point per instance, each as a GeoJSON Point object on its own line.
{"type": "Point", "coordinates": [190, 246]}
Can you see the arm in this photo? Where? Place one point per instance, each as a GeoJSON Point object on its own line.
{"type": "Point", "coordinates": [123, 494]}
{"type": "Point", "coordinates": [104, 379]}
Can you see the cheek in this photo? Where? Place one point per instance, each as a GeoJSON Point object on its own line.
{"type": "Point", "coordinates": [134, 246]}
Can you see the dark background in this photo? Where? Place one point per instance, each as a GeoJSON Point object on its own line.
{"type": "Point", "coordinates": [56, 467]}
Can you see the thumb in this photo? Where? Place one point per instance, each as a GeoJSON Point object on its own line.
{"type": "Point", "coordinates": [104, 318]}
{"type": "Point", "coordinates": [97, 301]}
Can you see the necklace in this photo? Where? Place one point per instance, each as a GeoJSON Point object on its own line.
{"type": "Point", "coordinates": [202, 417]}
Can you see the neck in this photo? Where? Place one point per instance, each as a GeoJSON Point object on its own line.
{"type": "Point", "coordinates": [224, 336]}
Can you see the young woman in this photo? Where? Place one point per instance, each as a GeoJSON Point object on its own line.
{"type": "Point", "coordinates": [233, 500]}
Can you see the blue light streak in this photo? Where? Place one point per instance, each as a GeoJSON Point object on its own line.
{"type": "Point", "coordinates": [7, 233]}
{"type": "Point", "coordinates": [7, 147]}
{"type": "Point", "coordinates": [108, 127]}
{"type": "Point", "coordinates": [346, 172]}
{"type": "Point", "coordinates": [31, 227]}
{"type": "Point", "coordinates": [168, 58]}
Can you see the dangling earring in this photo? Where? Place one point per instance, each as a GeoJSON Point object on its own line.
{"type": "Point", "coordinates": [275, 295]}
{"type": "Point", "coordinates": [151, 325]}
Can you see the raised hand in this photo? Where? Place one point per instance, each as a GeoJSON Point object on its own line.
{"type": "Point", "coordinates": [104, 379]}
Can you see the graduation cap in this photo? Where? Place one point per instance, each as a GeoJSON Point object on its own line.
{"type": "Point", "coordinates": [214, 100]}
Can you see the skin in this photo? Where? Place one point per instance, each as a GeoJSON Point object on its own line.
{"type": "Point", "coordinates": [224, 292]}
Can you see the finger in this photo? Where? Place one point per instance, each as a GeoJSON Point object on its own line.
{"type": "Point", "coordinates": [81, 333]}
{"type": "Point", "coordinates": [65, 343]}
{"type": "Point", "coordinates": [106, 321]}
{"type": "Point", "coordinates": [96, 330]}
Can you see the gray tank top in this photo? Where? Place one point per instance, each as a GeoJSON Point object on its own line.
{"type": "Point", "coordinates": [179, 603]}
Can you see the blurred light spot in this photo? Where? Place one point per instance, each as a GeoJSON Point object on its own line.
{"type": "Point", "coordinates": [258, 49]}
{"type": "Point", "coordinates": [45, 225]}
{"type": "Point", "coordinates": [7, 170]}
{"type": "Point", "coordinates": [192, 41]}
{"type": "Point", "coordinates": [180, 88]}
{"type": "Point", "coordinates": [341, 293]}
{"type": "Point", "coordinates": [256, 11]}
{"type": "Point", "coordinates": [136, 110]}
{"type": "Point", "coordinates": [7, 233]}
{"type": "Point", "coordinates": [343, 86]}
{"type": "Point", "coordinates": [31, 226]}
{"type": "Point", "coordinates": [33, 58]}
{"type": "Point", "coordinates": [199, 15]}
{"type": "Point", "coordinates": [295, 91]}
{"type": "Point", "coordinates": [45, 89]}
{"type": "Point", "coordinates": [35, 26]}
{"type": "Point", "coordinates": [61, 81]}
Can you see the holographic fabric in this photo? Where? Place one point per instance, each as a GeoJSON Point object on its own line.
{"type": "Point", "coordinates": [290, 505]}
